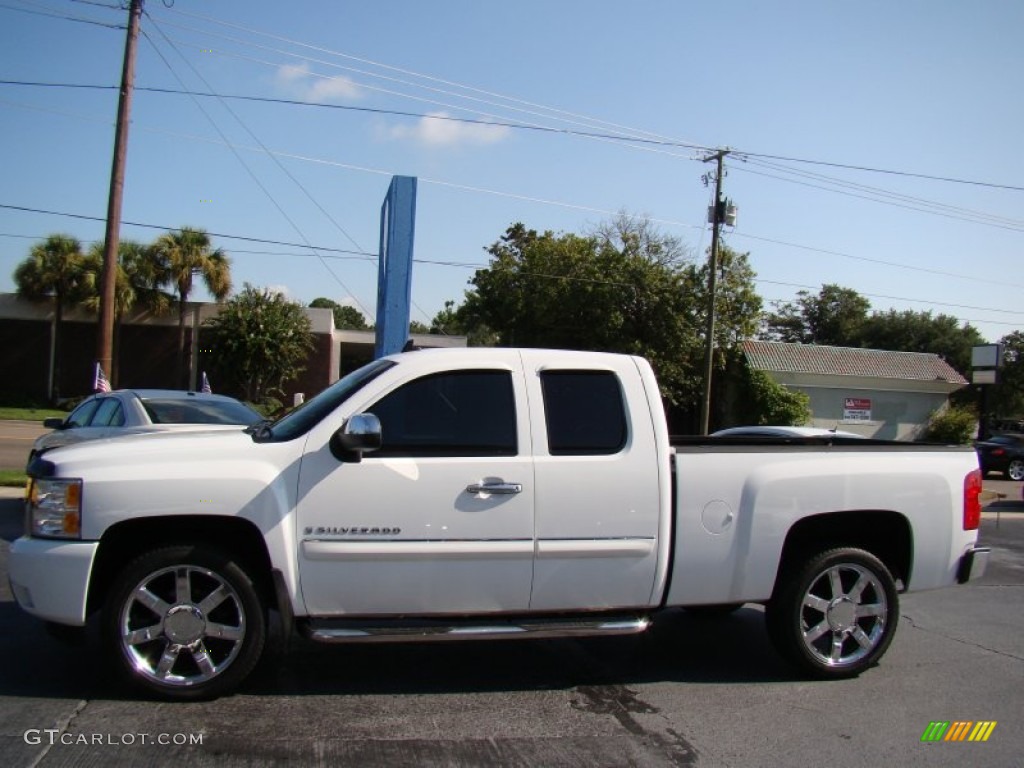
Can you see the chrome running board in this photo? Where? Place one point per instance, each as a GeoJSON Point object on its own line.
{"type": "Point", "coordinates": [405, 631]}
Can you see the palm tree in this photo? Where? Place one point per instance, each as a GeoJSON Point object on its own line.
{"type": "Point", "coordinates": [53, 271]}
{"type": "Point", "coordinates": [186, 254]}
{"type": "Point", "coordinates": [140, 277]}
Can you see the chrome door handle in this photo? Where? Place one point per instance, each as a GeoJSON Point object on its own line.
{"type": "Point", "coordinates": [495, 488]}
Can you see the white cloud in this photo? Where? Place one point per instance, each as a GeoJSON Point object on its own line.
{"type": "Point", "coordinates": [311, 86]}
{"type": "Point", "coordinates": [281, 289]}
{"type": "Point", "coordinates": [435, 130]}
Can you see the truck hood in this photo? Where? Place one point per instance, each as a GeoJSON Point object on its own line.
{"type": "Point", "coordinates": [181, 473]}
{"type": "Point", "coordinates": [151, 449]}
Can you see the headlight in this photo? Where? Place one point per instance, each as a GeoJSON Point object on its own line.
{"type": "Point", "coordinates": [55, 508]}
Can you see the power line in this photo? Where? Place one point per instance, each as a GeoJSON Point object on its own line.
{"type": "Point", "coordinates": [252, 174]}
{"type": "Point", "coordinates": [110, 6]}
{"type": "Point", "coordinates": [51, 13]}
{"type": "Point", "coordinates": [582, 208]}
{"type": "Point", "coordinates": [507, 102]}
{"type": "Point", "coordinates": [470, 265]}
{"type": "Point", "coordinates": [975, 217]}
{"type": "Point", "coordinates": [631, 132]}
{"type": "Point", "coordinates": [538, 128]}
{"type": "Point", "coordinates": [882, 262]}
{"type": "Point", "coordinates": [886, 193]}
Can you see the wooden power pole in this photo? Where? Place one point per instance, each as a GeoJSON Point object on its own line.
{"type": "Point", "coordinates": [105, 342]}
{"type": "Point", "coordinates": [717, 214]}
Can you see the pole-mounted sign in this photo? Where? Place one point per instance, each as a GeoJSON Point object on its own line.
{"type": "Point", "coordinates": [394, 275]}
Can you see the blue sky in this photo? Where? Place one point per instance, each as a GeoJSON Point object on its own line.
{"type": "Point", "coordinates": [918, 87]}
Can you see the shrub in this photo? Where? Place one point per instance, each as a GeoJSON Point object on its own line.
{"type": "Point", "coordinates": [954, 425]}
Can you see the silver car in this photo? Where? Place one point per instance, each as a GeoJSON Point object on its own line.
{"type": "Point", "coordinates": [134, 411]}
{"type": "Point", "coordinates": [782, 431]}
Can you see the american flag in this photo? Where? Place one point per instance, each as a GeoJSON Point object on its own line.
{"type": "Point", "coordinates": [206, 385]}
{"type": "Point", "coordinates": [99, 380]}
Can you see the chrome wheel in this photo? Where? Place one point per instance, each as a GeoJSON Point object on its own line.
{"type": "Point", "coordinates": [843, 615]}
{"type": "Point", "coordinates": [182, 625]}
{"type": "Point", "coordinates": [835, 614]}
{"type": "Point", "coordinates": [185, 622]}
{"type": "Point", "coordinates": [1015, 469]}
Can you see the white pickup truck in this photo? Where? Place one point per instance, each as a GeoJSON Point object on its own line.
{"type": "Point", "coordinates": [482, 493]}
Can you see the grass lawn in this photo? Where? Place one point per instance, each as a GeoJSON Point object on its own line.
{"type": "Point", "coordinates": [29, 414]}
{"type": "Point", "coordinates": [12, 478]}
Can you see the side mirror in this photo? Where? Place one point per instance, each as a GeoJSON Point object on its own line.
{"type": "Point", "coordinates": [360, 434]}
{"type": "Point", "coordinates": [54, 422]}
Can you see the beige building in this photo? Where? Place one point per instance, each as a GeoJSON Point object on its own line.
{"type": "Point", "coordinates": [875, 393]}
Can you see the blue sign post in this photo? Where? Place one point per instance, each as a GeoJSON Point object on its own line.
{"type": "Point", "coordinates": [394, 276]}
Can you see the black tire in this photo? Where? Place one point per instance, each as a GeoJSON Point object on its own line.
{"type": "Point", "coordinates": [835, 616]}
{"type": "Point", "coordinates": [184, 623]}
{"type": "Point", "coordinates": [713, 611]}
{"type": "Point", "coordinates": [1015, 469]}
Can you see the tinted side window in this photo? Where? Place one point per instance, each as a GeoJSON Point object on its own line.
{"type": "Point", "coordinates": [109, 414]}
{"type": "Point", "coordinates": [82, 414]}
{"type": "Point", "coordinates": [584, 412]}
{"type": "Point", "coordinates": [464, 413]}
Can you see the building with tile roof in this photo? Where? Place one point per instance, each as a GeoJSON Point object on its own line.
{"type": "Point", "coordinates": [873, 392]}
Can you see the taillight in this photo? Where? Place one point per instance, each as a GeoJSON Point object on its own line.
{"type": "Point", "coordinates": [972, 500]}
{"type": "Point", "coordinates": [996, 452]}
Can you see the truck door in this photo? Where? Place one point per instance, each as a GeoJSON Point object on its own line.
{"type": "Point", "coordinates": [440, 519]}
{"type": "Point", "coordinates": [598, 495]}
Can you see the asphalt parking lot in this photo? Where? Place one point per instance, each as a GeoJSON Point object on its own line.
{"type": "Point", "coordinates": [689, 692]}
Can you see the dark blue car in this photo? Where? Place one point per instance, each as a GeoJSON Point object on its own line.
{"type": "Point", "coordinates": [1002, 453]}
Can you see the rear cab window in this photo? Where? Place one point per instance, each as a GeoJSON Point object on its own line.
{"type": "Point", "coordinates": [584, 412]}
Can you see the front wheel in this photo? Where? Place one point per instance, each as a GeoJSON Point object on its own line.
{"type": "Point", "coordinates": [184, 622]}
{"type": "Point", "coordinates": [835, 616]}
{"type": "Point", "coordinates": [1015, 469]}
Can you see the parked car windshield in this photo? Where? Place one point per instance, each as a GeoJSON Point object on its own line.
{"type": "Point", "coordinates": [180, 411]}
{"type": "Point", "coordinates": [303, 418]}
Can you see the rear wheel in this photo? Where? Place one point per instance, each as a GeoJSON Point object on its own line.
{"type": "Point", "coordinates": [835, 616]}
{"type": "Point", "coordinates": [1015, 469]}
{"type": "Point", "coordinates": [184, 622]}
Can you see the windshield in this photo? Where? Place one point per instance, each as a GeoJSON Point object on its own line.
{"type": "Point", "coordinates": [314, 410]}
{"type": "Point", "coordinates": [182, 411]}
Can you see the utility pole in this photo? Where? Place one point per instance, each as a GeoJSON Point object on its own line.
{"type": "Point", "coordinates": [105, 341]}
{"type": "Point", "coordinates": [717, 214]}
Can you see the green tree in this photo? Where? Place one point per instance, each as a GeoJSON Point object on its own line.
{"type": "Point", "coordinates": [1007, 396]}
{"type": "Point", "coordinates": [910, 331]}
{"type": "Point", "coordinates": [587, 292]}
{"type": "Point", "coordinates": [186, 254]}
{"type": "Point", "coordinates": [415, 326]}
{"type": "Point", "coordinates": [637, 237]}
{"type": "Point", "coordinates": [447, 322]}
{"type": "Point", "coordinates": [345, 316]}
{"type": "Point", "coordinates": [140, 281]}
{"type": "Point", "coordinates": [737, 304]}
{"type": "Point", "coordinates": [455, 321]}
{"type": "Point", "coordinates": [953, 425]}
{"type": "Point", "coordinates": [834, 317]}
{"type": "Point", "coordinates": [762, 400]}
{"type": "Point", "coordinates": [262, 341]}
{"type": "Point", "coordinates": [53, 272]}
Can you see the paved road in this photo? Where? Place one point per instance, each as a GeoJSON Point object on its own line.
{"type": "Point", "coordinates": [690, 692]}
{"type": "Point", "coordinates": [16, 439]}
